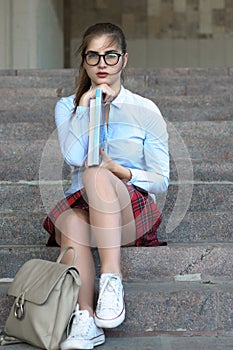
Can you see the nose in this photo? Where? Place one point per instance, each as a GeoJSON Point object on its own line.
{"type": "Point", "coordinates": [102, 62]}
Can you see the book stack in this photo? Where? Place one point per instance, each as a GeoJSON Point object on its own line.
{"type": "Point", "coordinates": [93, 157]}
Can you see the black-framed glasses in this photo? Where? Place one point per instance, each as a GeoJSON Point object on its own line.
{"type": "Point", "coordinates": [110, 58]}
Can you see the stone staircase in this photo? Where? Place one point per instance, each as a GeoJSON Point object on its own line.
{"type": "Point", "coordinates": [197, 209]}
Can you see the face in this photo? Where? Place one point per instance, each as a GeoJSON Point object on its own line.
{"type": "Point", "coordinates": [103, 73]}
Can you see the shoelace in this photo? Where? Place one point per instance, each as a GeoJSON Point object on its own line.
{"type": "Point", "coordinates": [110, 284]}
{"type": "Point", "coordinates": [80, 324]}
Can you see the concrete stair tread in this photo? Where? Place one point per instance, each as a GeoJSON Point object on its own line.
{"type": "Point", "coordinates": [216, 196]}
{"type": "Point", "coordinates": [180, 71]}
{"type": "Point", "coordinates": [197, 104]}
{"type": "Point", "coordinates": [174, 112]}
{"type": "Point", "coordinates": [211, 260]}
{"type": "Point", "coordinates": [162, 342]}
{"type": "Point", "coordinates": [161, 87]}
{"type": "Point", "coordinates": [192, 307]}
{"type": "Point", "coordinates": [212, 170]}
{"type": "Point", "coordinates": [19, 130]}
{"type": "Point", "coordinates": [23, 227]}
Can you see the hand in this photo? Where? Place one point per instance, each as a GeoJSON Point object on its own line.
{"type": "Point", "coordinates": [107, 162]}
{"type": "Point", "coordinates": [118, 170]}
{"type": "Point", "coordinates": [108, 95]}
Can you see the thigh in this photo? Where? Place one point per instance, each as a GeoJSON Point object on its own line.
{"type": "Point", "coordinates": [74, 224]}
{"type": "Point", "coordinates": [127, 215]}
{"type": "Point", "coordinates": [101, 183]}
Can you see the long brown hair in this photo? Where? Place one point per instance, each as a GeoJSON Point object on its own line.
{"type": "Point", "coordinates": [98, 29]}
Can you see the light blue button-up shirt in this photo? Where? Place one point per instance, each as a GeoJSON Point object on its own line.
{"type": "Point", "coordinates": [136, 137]}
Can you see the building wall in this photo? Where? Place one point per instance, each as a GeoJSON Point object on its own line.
{"type": "Point", "coordinates": [31, 34]}
{"type": "Point", "coordinates": [160, 33]}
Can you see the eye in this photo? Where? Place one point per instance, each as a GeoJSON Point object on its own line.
{"type": "Point", "coordinates": [92, 55]}
{"type": "Point", "coordinates": [111, 56]}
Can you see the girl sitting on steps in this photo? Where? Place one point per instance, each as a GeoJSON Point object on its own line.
{"type": "Point", "coordinates": [113, 204]}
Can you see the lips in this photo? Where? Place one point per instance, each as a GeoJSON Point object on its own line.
{"type": "Point", "coordinates": [102, 75]}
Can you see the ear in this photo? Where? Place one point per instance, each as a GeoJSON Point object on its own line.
{"type": "Point", "coordinates": [125, 59]}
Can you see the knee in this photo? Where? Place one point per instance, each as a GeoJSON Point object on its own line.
{"type": "Point", "coordinates": [95, 178]}
{"type": "Point", "coordinates": [69, 220]}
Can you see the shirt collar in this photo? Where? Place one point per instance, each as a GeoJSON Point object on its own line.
{"type": "Point", "coordinates": [120, 99]}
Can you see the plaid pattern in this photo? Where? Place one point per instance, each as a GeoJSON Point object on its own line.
{"type": "Point", "coordinates": [146, 214]}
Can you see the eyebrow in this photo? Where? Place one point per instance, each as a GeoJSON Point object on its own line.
{"type": "Point", "coordinates": [106, 52]}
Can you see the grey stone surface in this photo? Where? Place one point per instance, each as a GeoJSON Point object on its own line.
{"type": "Point", "coordinates": [197, 227]}
{"type": "Point", "coordinates": [205, 197]}
{"type": "Point", "coordinates": [39, 109]}
{"type": "Point", "coordinates": [198, 104]}
{"type": "Point", "coordinates": [25, 132]}
{"type": "Point", "coordinates": [56, 73]}
{"type": "Point", "coordinates": [212, 197]}
{"type": "Point", "coordinates": [22, 228]}
{"type": "Point", "coordinates": [27, 92]}
{"type": "Point", "coordinates": [207, 217]}
{"type": "Point", "coordinates": [24, 142]}
{"type": "Point", "coordinates": [168, 307]}
{"type": "Point", "coordinates": [201, 102]}
{"type": "Point", "coordinates": [213, 261]}
{"type": "Point", "coordinates": [162, 342]}
{"type": "Point", "coordinates": [36, 81]}
{"type": "Point", "coordinates": [8, 72]}
{"type": "Point", "coordinates": [209, 113]}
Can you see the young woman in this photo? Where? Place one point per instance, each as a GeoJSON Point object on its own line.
{"type": "Point", "coordinates": [112, 204]}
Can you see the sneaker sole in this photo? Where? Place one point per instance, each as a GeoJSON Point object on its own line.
{"type": "Point", "coordinates": [112, 323]}
{"type": "Point", "coordinates": [78, 344]}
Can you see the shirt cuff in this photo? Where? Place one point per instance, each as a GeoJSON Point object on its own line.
{"type": "Point", "coordinates": [134, 176]}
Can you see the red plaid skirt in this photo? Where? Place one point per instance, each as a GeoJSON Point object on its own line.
{"type": "Point", "coordinates": [146, 215]}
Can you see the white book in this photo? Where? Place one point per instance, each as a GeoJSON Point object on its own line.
{"type": "Point", "coordinates": [93, 157]}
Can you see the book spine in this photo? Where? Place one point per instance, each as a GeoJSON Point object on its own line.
{"type": "Point", "coordinates": [94, 129]}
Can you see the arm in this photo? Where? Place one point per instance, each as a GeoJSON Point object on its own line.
{"type": "Point", "coordinates": [119, 170]}
{"type": "Point", "coordinates": [155, 177]}
{"type": "Point", "coordinates": [72, 131]}
{"type": "Point", "coordinates": [151, 170]}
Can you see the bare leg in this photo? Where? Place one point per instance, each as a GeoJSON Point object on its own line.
{"type": "Point", "coordinates": [110, 209]}
{"type": "Point", "coordinates": [75, 224]}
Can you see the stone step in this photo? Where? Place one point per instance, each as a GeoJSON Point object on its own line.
{"type": "Point", "coordinates": [56, 82]}
{"type": "Point", "coordinates": [205, 146]}
{"type": "Point", "coordinates": [182, 73]}
{"type": "Point", "coordinates": [24, 227]}
{"type": "Point", "coordinates": [43, 111]}
{"type": "Point", "coordinates": [215, 169]}
{"type": "Point", "coordinates": [185, 130]}
{"type": "Point", "coordinates": [148, 85]}
{"type": "Point", "coordinates": [168, 101]}
{"type": "Point", "coordinates": [162, 307]}
{"type": "Point", "coordinates": [28, 92]}
{"type": "Point", "coordinates": [212, 260]}
{"type": "Point", "coordinates": [147, 82]}
{"type": "Point", "coordinates": [196, 226]}
{"type": "Point", "coordinates": [156, 86]}
{"type": "Point", "coordinates": [70, 72]}
{"type": "Point", "coordinates": [170, 72]}
{"type": "Point", "coordinates": [191, 212]}
{"type": "Point", "coordinates": [200, 197]}
{"type": "Point", "coordinates": [162, 342]}
{"type": "Point", "coordinates": [173, 108]}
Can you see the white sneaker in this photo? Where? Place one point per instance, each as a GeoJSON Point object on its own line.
{"type": "Point", "coordinates": [110, 310]}
{"type": "Point", "coordinates": [84, 333]}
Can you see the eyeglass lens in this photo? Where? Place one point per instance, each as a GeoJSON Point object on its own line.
{"type": "Point", "coordinates": [110, 59]}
